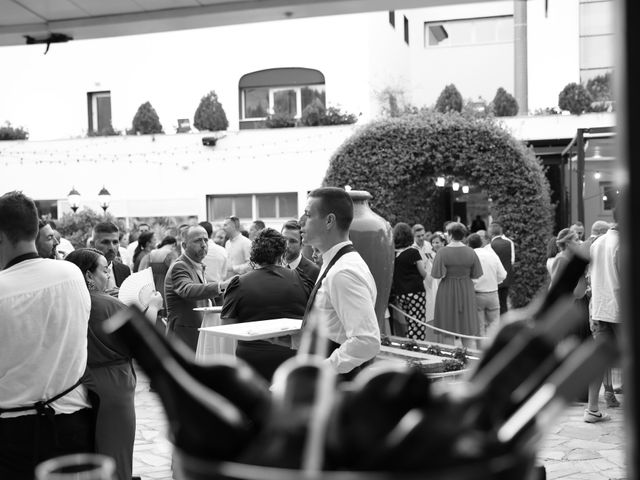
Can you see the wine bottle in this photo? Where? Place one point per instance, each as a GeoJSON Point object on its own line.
{"type": "Point", "coordinates": [213, 410]}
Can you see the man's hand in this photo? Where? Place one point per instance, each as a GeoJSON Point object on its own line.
{"type": "Point", "coordinates": [155, 301]}
{"type": "Point", "coordinates": [225, 283]}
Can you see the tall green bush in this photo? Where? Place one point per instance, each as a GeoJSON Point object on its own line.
{"type": "Point", "coordinates": [146, 120]}
{"type": "Point", "coordinates": [397, 159]}
{"type": "Point", "coordinates": [504, 104]}
{"type": "Point", "coordinates": [210, 115]}
{"type": "Point", "coordinates": [575, 98]}
{"type": "Point", "coordinates": [450, 100]}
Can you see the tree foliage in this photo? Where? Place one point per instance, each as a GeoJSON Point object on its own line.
{"type": "Point", "coordinates": [575, 98]}
{"type": "Point", "coordinates": [397, 159]}
{"type": "Point", "coordinates": [77, 227]}
{"type": "Point", "coordinates": [600, 88]}
{"type": "Point", "coordinates": [146, 120]}
{"type": "Point", "coordinates": [450, 100]}
{"type": "Point", "coordinates": [504, 104]}
{"type": "Point", "coordinates": [7, 132]}
{"type": "Point", "coordinates": [210, 115]}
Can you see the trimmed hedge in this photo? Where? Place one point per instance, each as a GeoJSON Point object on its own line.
{"type": "Point", "coordinates": [396, 161]}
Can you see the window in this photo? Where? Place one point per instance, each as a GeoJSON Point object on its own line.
{"type": "Point", "coordinates": [280, 90]}
{"type": "Point", "coordinates": [468, 32]}
{"type": "Point", "coordinates": [47, 208]}
{"type": "Point", "coordinates": [596, 38]}
{"type": "Point", "coordinates": [406, 30]}
{"type": "Point", "coordinates": [99, 109]}
{"type": "Point", "coordinates": [392, 18]}
{"type": "Point", "coordinates": [267, 205]}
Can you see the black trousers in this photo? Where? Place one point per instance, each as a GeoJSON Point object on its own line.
{"type": "Point", "coordinates": [503, 294]}
{"type": "Point", "coordinates": [27, 440]}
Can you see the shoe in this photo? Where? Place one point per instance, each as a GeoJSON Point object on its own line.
{"type": "Point", "coordinates": [612, 401]}
{"type": "Point", "coordinates": [595, 417]}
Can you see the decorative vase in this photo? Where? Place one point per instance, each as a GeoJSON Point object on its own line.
{"type": "Point", "coordinates": [373, 239]}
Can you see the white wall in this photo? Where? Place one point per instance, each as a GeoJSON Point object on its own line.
{"type": "Point", "coordinates": [47, 93]}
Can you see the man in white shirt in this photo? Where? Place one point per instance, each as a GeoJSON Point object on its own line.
{"type": "Point", "coordinates": [216, 259]}
{"type": "Point", "coordinates": [604, 309]}
{"type": "Point", "coordinates": [486, 287]}
{"type": "Point", "coordinates": [238, 248]}
{"type": "Point", "coordinates": [345, 293]}
{"type": "Point", "coordinates": [44, 315]}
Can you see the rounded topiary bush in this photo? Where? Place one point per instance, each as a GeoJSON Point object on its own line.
{"type": "Point", "coordinates": [397, 159]}
{"type": "Point", "coordinates": [575, 98]}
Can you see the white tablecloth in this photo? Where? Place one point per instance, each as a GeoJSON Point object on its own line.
{"type": "Point", "coordinates": [210, 346]}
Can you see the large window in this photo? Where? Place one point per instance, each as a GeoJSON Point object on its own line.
{"type": "Point", "coordinates": [252, 206]}
{"type": "Point", "coordinates": [473, 31]}
{"type": "Point", "coordinates": [99, 110]}
{"type": "Point", "coordinates": [285, 91]}
{"type": "Point", "coordinates": [596, 38]}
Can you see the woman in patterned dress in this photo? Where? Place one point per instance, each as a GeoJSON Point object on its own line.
{"type": "Point", "coordinates": [408, 287]}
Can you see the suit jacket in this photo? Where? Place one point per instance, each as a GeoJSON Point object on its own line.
{"type": "Point", "coordinates": [184, 291]}
{"type": "Point", "coordinates": [309, 268]}
{"type": "Point", "coordinates": [120, 272]}
{"type": "Point", "coordinates": [503, 247]}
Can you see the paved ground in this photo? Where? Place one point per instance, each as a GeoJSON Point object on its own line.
{"type": "Point", "coordinates": [573, 450]}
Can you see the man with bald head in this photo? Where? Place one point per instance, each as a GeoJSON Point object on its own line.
{"type": "Point", "coordinates": [186, 287]}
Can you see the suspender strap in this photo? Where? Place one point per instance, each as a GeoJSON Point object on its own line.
{"type": "Point", "coordinates": [312, 295]}
{"type": "Point", "coordinates": [42, 407]}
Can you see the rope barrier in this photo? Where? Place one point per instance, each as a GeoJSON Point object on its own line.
{"type": "Point", "coordinates": [446, 332]}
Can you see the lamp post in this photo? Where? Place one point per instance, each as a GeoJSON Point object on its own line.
{"type": "Point", "coordinates": [105, 199]}
{"type": "Point", "coordinates": [73, 197]}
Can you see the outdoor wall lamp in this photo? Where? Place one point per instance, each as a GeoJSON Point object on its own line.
{"type": "Point", "coordinates": [455, 186]}
{"type": "Point", "coordinates": [73, 197]}
{"type": "Point", "coordinates": [105, 199]}
{"type": "Point", "coordinates": [440, 182]}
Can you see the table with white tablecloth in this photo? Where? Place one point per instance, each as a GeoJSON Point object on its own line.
{"type": "Point", "coordinates": [211, 346]}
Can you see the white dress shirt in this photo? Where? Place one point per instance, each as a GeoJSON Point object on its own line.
{"type": "Point", "coordinates": [493, 271]}
{"type": "Point", "coordinates": [238, 254]}
{"type": "Point", "coordinates": [344, 304]}
{"type": "Point", "coordinates": [292, 265]}
{"type": "Point", "coordinates": [44, 316]}
{"type": "Point", "coordinates": [216, 262]}
{"type": "Point", "coordinates": [604, 271]}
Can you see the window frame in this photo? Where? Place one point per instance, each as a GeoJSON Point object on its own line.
{"type": "Point", "coordinates": [254, 202]}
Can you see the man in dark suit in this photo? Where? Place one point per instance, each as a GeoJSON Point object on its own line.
{"type": "Point", "coordinates": [106, 238]}
{"type": "Point", "coordinates": [186, 288]}
{"type": "Point", "coordinates": [293, 257]}
{"type": "Point", "coordinates": [506, 251]}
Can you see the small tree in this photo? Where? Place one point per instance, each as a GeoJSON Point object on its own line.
{"type": "Point", "coordinates": [313, 114]}
{"type": "Point", "coordinates": [600, 88]}
{"type": "Point", "coordinates": [146, 120]}
{"type": "Point", "coordinates": [574, 98]}
{"type": "Point", "coordinates": [450, 99]}
{"type": "Point", "coordinates": [504, 104]}
{"type": "Point", "coordinates": [7, 132]}
{"type": "Point", "coordinates": [210, 114]}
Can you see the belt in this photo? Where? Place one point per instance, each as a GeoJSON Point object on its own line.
{"type": "Point", "coordinates": [41, 407]}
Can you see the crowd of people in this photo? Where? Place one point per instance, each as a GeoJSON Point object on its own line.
{"type": "Point", "coordinates": [454, 281]}
{"type": "Point", "coordinates": [66, 386]}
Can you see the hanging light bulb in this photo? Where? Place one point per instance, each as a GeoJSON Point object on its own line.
{"type": "Point", "coordinates": [455, 186]}
{"type": "Point", "coordinates": [597, 175]}
{"type": "Point", "coordinates": [347, 188]}
{"type": "Point", "coordinates": [440, 181]}
{"type": "Point", "coordinates": [465, 189]}
{"type": "Point", "coordinates": [604, 198]}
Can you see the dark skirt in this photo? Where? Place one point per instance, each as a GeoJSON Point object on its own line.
{"type": "Point", "coordinates": [263, 356]}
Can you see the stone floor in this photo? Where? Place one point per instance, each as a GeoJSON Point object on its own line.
{"type": "Point", "coordinates": [572, 450]}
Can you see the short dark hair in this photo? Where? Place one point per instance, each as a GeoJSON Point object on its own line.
{"type": "Point", "coordinates": [106, 227]}
{"type": "Point", "coordinates": [292, 225]}
{"type": "Point", "coordinates": [495, 229]}
{"type": "Point", "coordinates": [168, 240]}
{"type": "Point", "coordinates": [235, 220]}
{"type": "Point", "coordinates": [402, 235]}
{"type": "Point", "coordinates": [417, 227]}
{"type": "Point", "coordinates": [52, 224]}
{"type": "Point", "coordinates": [337, 201]}
{"type": "Point", "coordinates": [268, 247]}
{"type": "Point", "coordinates": [474, 240]}
{"type": "Point", "coordinates": [260, 224]}
{"type": "Point", "coordinates": [85, 258]}
{"type": "Point", "coordinates": [18, 217]}
{"type": "Point", "coordinates": [208, 227]}
{"type": "Point", "coordinates": [457, 230]}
